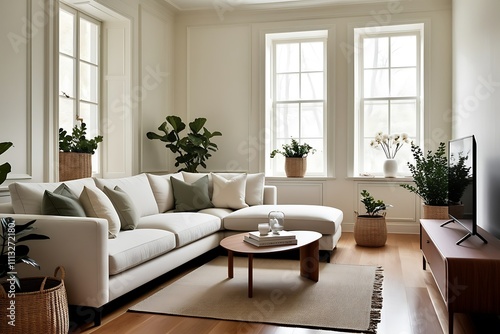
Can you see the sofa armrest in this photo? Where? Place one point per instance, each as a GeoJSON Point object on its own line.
{"type": "Point", "coordinates": [270, 194]}
{"type": "Point", "coordinates": [6, 208]}
{"type": "Point", "coordinates": [80, 245]}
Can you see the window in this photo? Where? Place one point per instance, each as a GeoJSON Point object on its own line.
{"type": "Point", "coordinates": [388, 91]}
{"type": "Point", "coordinates": [79, 40]}
{"type": "Point", "coordinates": [296, 95]}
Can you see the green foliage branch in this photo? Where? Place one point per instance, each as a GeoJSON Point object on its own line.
{"type": "Point", "coordinates": [294, 150]}
{"type": "Point", "coordinates": [77, 141]}
{"type": "Point", "coordinates": [193, 149]}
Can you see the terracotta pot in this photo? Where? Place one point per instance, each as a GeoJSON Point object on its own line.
{"type": "Point", "coordinates": [295, 167]}
{"type": "Point", "coordinates": [74, 165]}
{"type": "Point", "coordinates": [435, 212]}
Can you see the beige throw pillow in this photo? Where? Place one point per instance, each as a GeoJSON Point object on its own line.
{"type": "Point", "coordinates": [229, 193]}
{"type": "Point", "coordinates": [97, 204]}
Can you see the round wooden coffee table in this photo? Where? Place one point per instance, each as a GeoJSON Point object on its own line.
{"type": "Point", "coordinates": [307, 242]}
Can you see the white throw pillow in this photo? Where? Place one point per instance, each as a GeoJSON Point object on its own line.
{"type": "Point", "coordinates": [229, 193]}
{"type": "Point", "coordinates": [254, 193]}
{"type": "Point", "coordinates": [97, 204]}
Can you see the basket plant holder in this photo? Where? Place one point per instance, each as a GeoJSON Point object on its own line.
{"type": "Point", "coordinates": [41, 306]}
{"type": "Point", "coordinates": [370, 231]}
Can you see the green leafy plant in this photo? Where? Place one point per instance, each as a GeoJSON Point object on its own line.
{"type": "Point", "coordinates": [372, 206]}
{"type": "Point", "coordinates": [294, 150]}
{"type": "Point", "coordinates": [458, 178]}
{"type": "Point", "coordinates": [5, 167]}
{"type": "Point", "coordinates": [430, 174]}
{"type": "Point", "coordinates": [77, 141]}
{"type": "Point", "coordinates": [194, 148]}
{"type": "Point", "coordinates": [13, 253]}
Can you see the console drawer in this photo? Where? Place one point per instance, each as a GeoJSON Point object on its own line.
{"type": "Point", "coordinates": [436, 262]}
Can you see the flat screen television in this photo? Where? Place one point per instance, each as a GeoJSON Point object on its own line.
{"type": "Point", "coordinates": [462, 185]}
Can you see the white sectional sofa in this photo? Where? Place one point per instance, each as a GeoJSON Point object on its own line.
{"type": "Point", "coordinates": [133, 230]}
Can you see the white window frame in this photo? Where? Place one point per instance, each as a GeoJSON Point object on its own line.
{"type": "Point", "coordinates": [77, 118]}
{"type": "Point", "coordinates": [417, 30]}
{"type": "Point", "coordinates": [275, 167]}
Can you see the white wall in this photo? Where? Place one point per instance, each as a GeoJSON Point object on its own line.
{"type": "Point", "coordinates": [219, 74]}
{"type": "Point", "coordinates": [476, 96]}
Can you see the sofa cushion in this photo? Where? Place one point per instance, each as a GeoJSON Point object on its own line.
{"type": "Point", "coordinates": [229, 193]}
{"type": "Point", "coordinates": [254, 189]}
{"type": "Point", "coordinates": [27, 197]}
{"type": "Point", "coordinates": [187, 226]}
{"type": "Point", "coordinates": [125, 208]}
{"type": "Point", "coordinates": [61, 202]}
{"type": "Point", "coordinates": [131, 248]}
{"type": "Point", "coordinates": [323, 219]}
{"type": "Point", "coordinates": [138, 188]}
{"type": "Point", "coordinates": [97, 204]}
{"type": "Point", "coordinates": [191, 197]}
{"type": "Point", "coordinates": [162, 190]}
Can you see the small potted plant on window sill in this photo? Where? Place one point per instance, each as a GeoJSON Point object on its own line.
{"type": "Point", "coordinates": [295, 157]}
{"type": "Point", "coordinates": [75, 153]}
{"type": "Point", "coordinates": [370, 229]}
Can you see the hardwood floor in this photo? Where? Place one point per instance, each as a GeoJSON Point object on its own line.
{"type": "Point", "coordinates": [412, 303]}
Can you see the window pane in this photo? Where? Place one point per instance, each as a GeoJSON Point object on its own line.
{"type": "Point", "coordinates": [287, 58]}
{"type": "Point", "coordinates": [315, 162]}
{"type": "Point", "coordinates": [67, 113]}
{"type": "Point", "coordinates": [404, 117]}
{"type": "Point", "coordinates": [287, 87]}
{"type": "Point", "coordinates": [312, 86]}
{"type": "Point", "coordinates": [88, 82]}
{"type": "Point", "coordinates": [403, 51]}
{"type": "Point", "coordinates": [312, 56]}
{"type": "Point", "coordinates": [88, 41]}
{"type": "Point", "coordinates": [403, 82]}
{"type": "Point", "coordinates": [376, 83]}
{"type": "Point", "coordinates": [311, 120]}
{"type": "Point", "coordinates": [287, 121]}
{"type": "Point", "coordinates": [66, 30]}
{"type": "Point", "coordinates": [376, 52]}
{"type": "Point", "coordinates": [66, 75]}
{"type": "Point", "coordinates": [376, 118]}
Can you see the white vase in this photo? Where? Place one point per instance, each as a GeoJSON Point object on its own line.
{"type": "Point", "coordinates": [390, 168]}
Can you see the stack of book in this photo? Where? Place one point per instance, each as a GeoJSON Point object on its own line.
{"type": "Point", "coordinates": [270, 239]}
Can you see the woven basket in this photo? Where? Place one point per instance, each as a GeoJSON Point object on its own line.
{"type": "Point", "coordinates": [74, 165]}
{"type": "Point", "coordinates": [370, 231]}
{"type": "Point", "coordinates": [435, 212]}
{"type": "Point", "coordinates": [43, 308]}
{"type": "Point", "coordinates": [295, 167]}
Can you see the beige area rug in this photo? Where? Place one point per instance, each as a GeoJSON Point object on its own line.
{"type": "Point", "coordinates": [346, 298]}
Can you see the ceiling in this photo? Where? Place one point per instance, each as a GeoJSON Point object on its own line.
{"type": "Point", "coordinates": [185, 5]}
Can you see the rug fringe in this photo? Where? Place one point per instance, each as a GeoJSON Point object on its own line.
{"type": "Point", "coordinates": [376, 308]}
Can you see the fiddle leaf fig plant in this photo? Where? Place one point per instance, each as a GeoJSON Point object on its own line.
{"type": "Point", "coordinates": [77, 141]}
{"type": "Point", "coordinates": [5, 168]}
{"type": "Point", "coordinates": [194, 148]}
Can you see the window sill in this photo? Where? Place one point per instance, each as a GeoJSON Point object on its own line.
{"type": "Point", "coordinates": [374, 178]}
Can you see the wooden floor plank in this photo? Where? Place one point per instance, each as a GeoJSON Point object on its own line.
{"type": "Point", "coordinates": [411, 302]}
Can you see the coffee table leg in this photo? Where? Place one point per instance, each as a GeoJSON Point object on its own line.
{"type": "Point", "coordinates": [309, 261]}
{"type": "Point", "coordinates": [250, 275]}
{"type": "Point", "coordinates": [230, 264]}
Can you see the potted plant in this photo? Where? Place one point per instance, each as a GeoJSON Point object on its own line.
{"type": "Point", "coordinates": [370, 229]}
{"type": "Point", "coordinates": [194, 148]}
{"type": "Point", "coordinates": [430, 175]}
{"type": "Point", "coordinates": [295, 157]}
{"type": "Point", "coordinates": [75, 153]}
{"type": "Point", "coordinates": [5, 167]}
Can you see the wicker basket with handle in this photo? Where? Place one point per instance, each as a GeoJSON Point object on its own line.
{"type": "Point", "coordinates": [40, 307]}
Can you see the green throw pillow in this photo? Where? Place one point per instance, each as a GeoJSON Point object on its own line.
{"type": "Point", "coordinates": [129, 217]}
{"type": "Point", "coordinates": [61, 202]}
{"type": "Point", "coordinates": [191, 197]}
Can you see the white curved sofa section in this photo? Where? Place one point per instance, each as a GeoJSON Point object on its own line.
{"type": "Point", "coordinates": [98, 269]}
